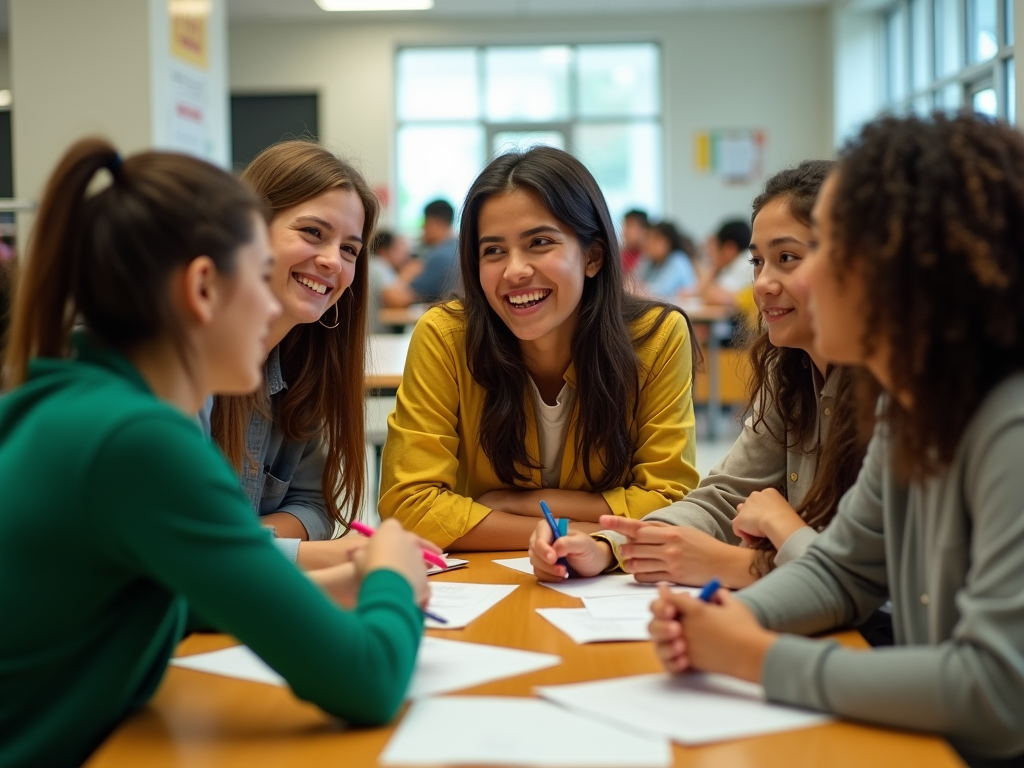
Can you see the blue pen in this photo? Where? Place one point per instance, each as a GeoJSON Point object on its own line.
{"type": "Point", "coordinates": [434, 617]}
{"type": "Point", "coordinates": [554, 533]}
{"type": "Point", "coordinates": [709, 590]}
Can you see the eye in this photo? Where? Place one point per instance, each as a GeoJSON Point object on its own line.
{"type": "Point", "coordinates": [491, 252]}
{"type": "Point", "coordinates": [755, 261]}
{"type": "Point", "coordinates": [787, 257]}
{"type": "Point", "coordinates": [350, 252]}
{"type": "Point", "coordinates": [540, 242]}
{"type": "Point", "coordinates": [313, 232]}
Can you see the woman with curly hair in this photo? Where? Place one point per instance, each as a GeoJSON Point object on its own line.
{"type": "Point", "coordinates": [917, 275]}
{"type": "Point", "coordinates": [800, 450]}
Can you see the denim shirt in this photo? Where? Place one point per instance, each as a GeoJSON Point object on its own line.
{"type": "Point", "coordinates": [284, 475]}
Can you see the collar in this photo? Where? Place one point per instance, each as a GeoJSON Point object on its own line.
{"type": "Point", "coordinates": [89, 350]}
{"type": "Point", "coordinates": [275, 381]}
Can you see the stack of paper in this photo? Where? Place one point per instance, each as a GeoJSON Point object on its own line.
{"type": "Point", "coordinates": [453, 564]}
{"type": "Point", "coordinates": [442, 666]}
{"type": "Point", "coordinates": [460, 603]}
{"type": "Point", "coordinates": [579, 625]}
{"type": "Point", "coordinates": [492, 730]}
{"type": "Point", "coordinates": [690, 709]}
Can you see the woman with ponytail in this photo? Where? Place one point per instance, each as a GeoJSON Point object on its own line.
{"type": "Point", "coordinates": [164, 273]}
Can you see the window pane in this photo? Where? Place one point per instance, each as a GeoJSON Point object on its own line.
{"type": "Point", "coordinates": [984, 101]}
{"type": "Point", "coordinates": [1011, 92]}
{"type": "Point", "coordinates": [528, 84]}
{"type": "Point", "coordinates": [981, 39]}
{"type": "Point", "coordinates": [896, 38]}
{"type": "Point", "coordinates": [618, 80]}
{"type": "Point", "coordinates": [625, 158]}
{"type": "Point", "coordinates": [437, 84]}
{"type": "Point", "coordinates": [520, 141]}
{"type": "Point", "coordinates": [921, 70]}
{"type": "Point", "coordinates": [435, 161]}
{"type": "Point", "coordinates": [950, 98]}
{"type": "Point", "coordinates": [922, 106]}
{"type": "Point", "coordinates": [948, 44]}
{"type": "Point", "coordinates": [1008, 32]}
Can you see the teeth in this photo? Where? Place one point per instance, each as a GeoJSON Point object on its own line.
{"type": "Point", "coordinates": [526, 298]}
{"type": "Point", "coordinates": [318, 287]}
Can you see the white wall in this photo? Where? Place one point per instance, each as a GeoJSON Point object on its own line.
{"type": "Point", "coordinates": [769, 70]}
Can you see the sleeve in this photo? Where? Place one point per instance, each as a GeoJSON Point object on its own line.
{"type": "Point", "coordinates": [305, 496]}
{"type": "Point", "coordinates": [179, 519]}
{"type": "Point", "coordinates": [420, 463]}
{"type": "Point", "coordinates": [430, 284]}
{"type": "Point", "coordinates": [757, 460]}
{"type": "Point", "coordinates": [664, 455]}
{"type": "Point", "coordinates": [798, 542]}
{"type": "Point", "coordinates": [676, 275]}
{"type": "Point", "coordinates": [968, 687]}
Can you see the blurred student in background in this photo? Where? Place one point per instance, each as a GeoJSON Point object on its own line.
{"type": "Point", "coordinates": [634, 238]}
{"type": "Point", "coordinates": [434, 274]}
{"type": "Point", "coordinates": [665, 269]}
{"type": "Point", "coordinates": [729, 273]}
{"type": "Point", "coordinates": [390, 254]}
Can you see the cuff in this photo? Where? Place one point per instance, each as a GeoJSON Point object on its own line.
{"type": "Point", "coordinates": [289, 548]}
{"type": "Point", "coordinates": [615, 541]}
{"type": "Point", "coordinates": [795, 545]}
{"type": "Point", "coordinates": [316, 521]}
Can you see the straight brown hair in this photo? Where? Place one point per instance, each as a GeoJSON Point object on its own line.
{"type": "Point", "coordinates": [324, 367]}
{"type": "Point", "coordinates": [106, 259]}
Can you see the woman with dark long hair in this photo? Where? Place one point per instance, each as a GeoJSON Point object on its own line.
{"type": "Point", "coordinates": [546, 381]}
{"type": "Point", "coordinates": [800, 450]}
{"type": "Point", "coordinates": [917, 275]}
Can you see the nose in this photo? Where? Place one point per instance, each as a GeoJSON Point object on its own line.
{"type": "Point", "coordinates": [517, 266]}
{"type": "Point", "coordinates": [766, 283]}
{"type": "Point", "coordinates": [328, 260]}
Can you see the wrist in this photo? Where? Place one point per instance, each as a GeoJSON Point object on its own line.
{"type": "Point", "coordinates": [741, 561]}
{"type": "Point", "coordinates": [759, 644]}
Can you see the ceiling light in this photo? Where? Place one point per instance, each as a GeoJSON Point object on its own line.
{"type": "Point", "coordinates": [375, 5]}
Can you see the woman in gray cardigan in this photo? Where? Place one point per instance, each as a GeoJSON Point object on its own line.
{"type": "Point", "coordinates": [918, 276]}
{"type": "Point", "coordinates": [800, 450]}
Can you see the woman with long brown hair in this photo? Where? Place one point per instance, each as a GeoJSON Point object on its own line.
{"type": "Point", "coordinates": [164, 272]}
{"type": "Point", "coordinates": [547, 381]}
{"type": "Point", "coordinates": [917, 275]}
{"type": "Point", "coordinates": [297, 443]}
{"type": "Point", "coordinates": [800, 450]}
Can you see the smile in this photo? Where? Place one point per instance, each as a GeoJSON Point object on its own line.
{"type": "Point", "coordinates": [776, 311]}
{"type": "Point", "coordinates": [313, 285]}
{"type": "Point", "coordinates": [527, 299]}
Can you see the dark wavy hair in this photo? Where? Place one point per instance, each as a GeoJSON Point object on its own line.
{"type": "Point", "coordinates": [603, 347]}
{"type": "Point", "coordinates": [931, 211]}
{"type": "Point", "coordinates": [781, 382]}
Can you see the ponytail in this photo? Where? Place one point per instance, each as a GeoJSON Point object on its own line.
{"type": "Point", "coordinates": [104, 259]}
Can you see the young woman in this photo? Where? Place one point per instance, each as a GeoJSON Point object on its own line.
{"type": "Point", "coordinates": [665, 268]}
{"type": "Point", "coordinates": [917, 275]}
{"type": "Point", "coordinates": [167, 270]}
{"type": "Point", "coordinates": [780, 483]}
{"type": "Point", "coordinates": [298, 442]}
{"type": "Point", "coordinates": [546, 381]}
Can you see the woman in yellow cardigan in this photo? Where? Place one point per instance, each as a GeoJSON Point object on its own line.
{"type": "Point", "coordinates": [546, 381]}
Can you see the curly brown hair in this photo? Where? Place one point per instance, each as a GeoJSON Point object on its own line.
{"type": "Point", "coordinates": [932, 213]}
{"type": "Point", "coordinates": [781, 382]}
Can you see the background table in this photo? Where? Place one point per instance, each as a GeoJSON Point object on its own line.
{"type": "Point", "coordinates": [200, 720]}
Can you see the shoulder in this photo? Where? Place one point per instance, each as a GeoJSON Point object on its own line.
{"type": "Point", "coordinates": [657, 326]}
{"type": "Point", "coordinates": [1000, 417]}
{"type": "Point", "coordinates": [441, 330]}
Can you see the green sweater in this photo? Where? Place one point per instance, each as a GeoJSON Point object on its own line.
{"type": "Point", "coordinates": [116, 511]}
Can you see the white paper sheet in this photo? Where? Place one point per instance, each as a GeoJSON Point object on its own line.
{"type": "Point", "coordinates": [635, 606]}
{"type": "Point", "coordinates": [689, 709]}
{"type": "Point", "coordinates": [578, 624]}
{"type": "Point", "coordinates": [461, 603]}
{"type": "Point", "coordinates": [453, 564]}
{"type": "Point", "coordinates": [442, 666]}
{"type": "Point", "coordinates": [598, 586]}
{"type": "Point", "coordinates": [501, 730]}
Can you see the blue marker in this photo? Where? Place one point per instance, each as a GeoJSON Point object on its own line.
{"type": "Point", "coordinates": [555, 533]}
{"type": "Point", "coordinates": [434, 617]}
{"type": "Point", "coordinates": [709, 590]}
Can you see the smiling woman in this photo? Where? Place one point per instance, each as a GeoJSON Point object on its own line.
{"type": "Point", "coordinates": [298, 443]}
{"type": "Point", "coordinates": [507, 394]}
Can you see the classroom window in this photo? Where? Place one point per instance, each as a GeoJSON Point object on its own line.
{"type": "Point", "coordinates": [949, 55]}
{"type": "Point", "coordinates": [459, 107]}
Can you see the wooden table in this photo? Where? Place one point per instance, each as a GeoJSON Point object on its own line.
{"type": "Point", "coordinates": [200, 720]}
{"type": "Point", "coordinates": [385, 360]}
{"type": "Point", "coordinates": [705, 319]}
{"type": "Point", "coordinates": [402, 316]}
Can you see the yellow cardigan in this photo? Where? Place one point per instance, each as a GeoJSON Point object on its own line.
{"type": "Point", "coordinates": [433, 466]}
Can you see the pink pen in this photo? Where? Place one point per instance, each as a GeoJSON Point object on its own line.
{"type": "Point", "coordinates": [430, 557]}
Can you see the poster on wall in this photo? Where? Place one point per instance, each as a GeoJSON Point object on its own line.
{"type": "Point", "coordinates": [733, 155]}
{"type": "Point", "coordinates": [189, 74]}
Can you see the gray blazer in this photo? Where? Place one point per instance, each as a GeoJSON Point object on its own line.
{"type": "Point", "coordinates": [755, 462]}
{"type": "Point", "coordinates": [949, 551]}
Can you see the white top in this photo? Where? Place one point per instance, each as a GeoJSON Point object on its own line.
{"type": "Point", "coordinates": [737, 274]}
{"type": "Point", "coordinates": [552, 423]}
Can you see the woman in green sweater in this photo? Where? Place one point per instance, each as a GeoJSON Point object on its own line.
{"type": "Point", "coordinates": [101, 458]}
{"type": "Point", "coordinates": [917, 276]}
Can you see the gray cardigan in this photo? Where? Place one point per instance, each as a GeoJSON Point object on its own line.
{"type": "Point", "coordinates": [952, 561]}
{"type": "Point", "coordinates": [756, 461]}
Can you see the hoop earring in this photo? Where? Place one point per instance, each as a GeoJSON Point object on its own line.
{"type": "Point", "coordinates": [337, 318]}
